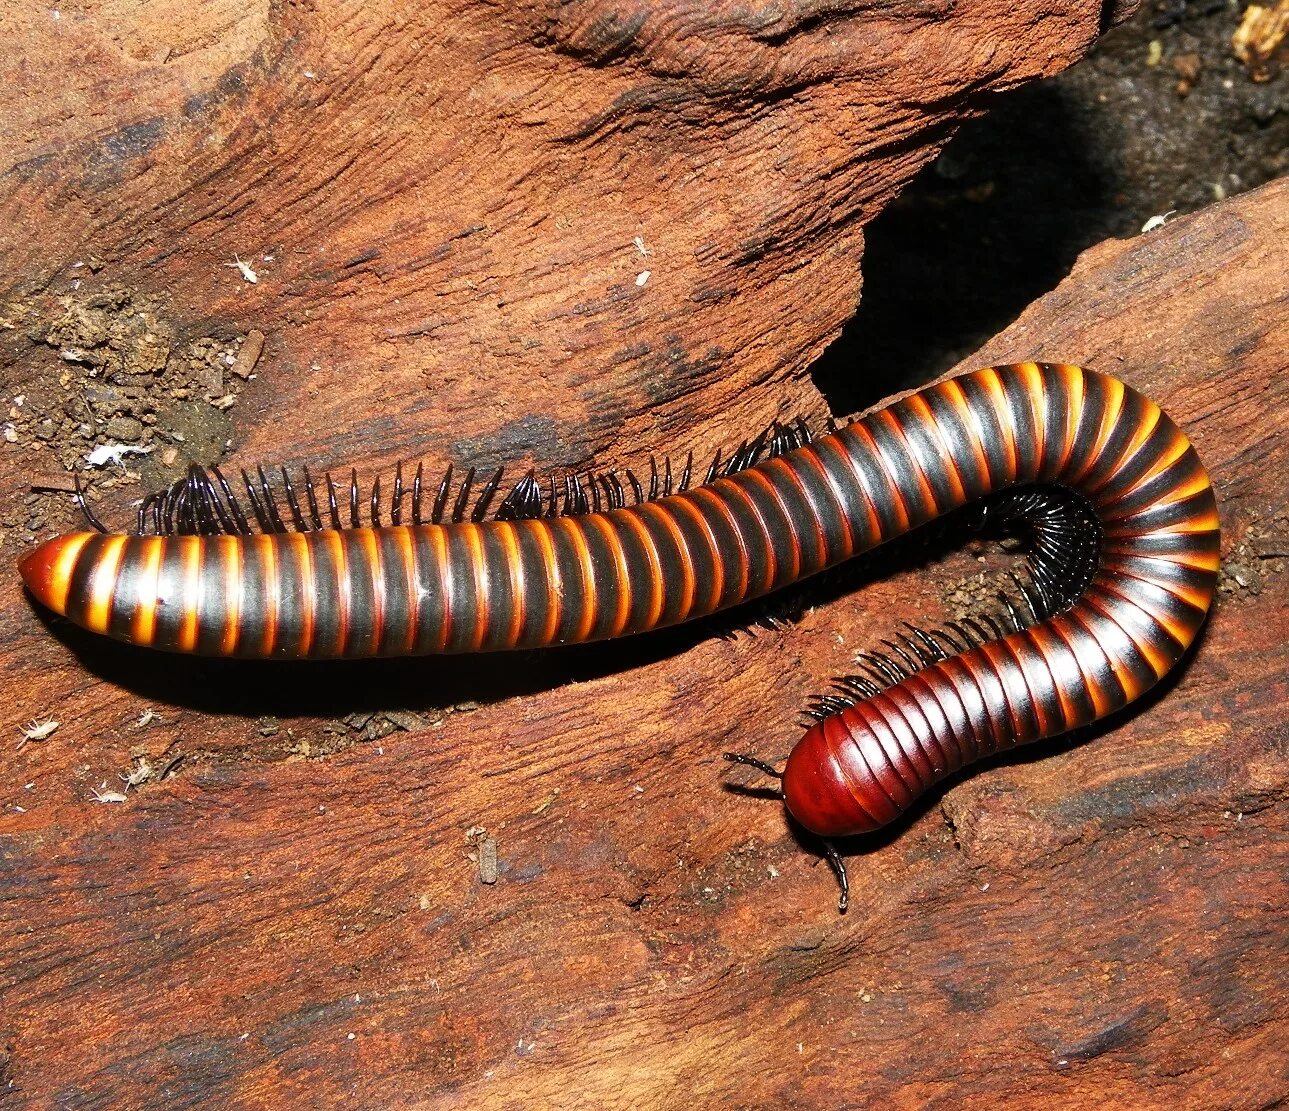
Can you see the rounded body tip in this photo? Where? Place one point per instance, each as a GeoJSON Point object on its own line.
{"type": "Point", "coordinates": [46, 570]}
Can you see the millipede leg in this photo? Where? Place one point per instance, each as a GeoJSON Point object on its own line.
{"type": "Point", "coordinates": [838, 866]}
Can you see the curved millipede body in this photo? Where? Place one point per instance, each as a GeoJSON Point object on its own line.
{"type": "Point", "coordinates": [604, 568]}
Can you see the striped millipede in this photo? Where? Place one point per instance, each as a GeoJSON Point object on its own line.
{"type": "Point", "coordinates": [1122, 572]}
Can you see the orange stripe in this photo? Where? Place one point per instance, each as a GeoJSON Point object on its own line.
{"type": "Point", "coordinates": [1158, 662]}
{"type": "Point", "coordinates": [1075, 386]}
{"type": "Point", "coordinates": [1036, 394]}
{"type": "Point", "coordinates": [1150, 420]}
{"type": "Point", "coordinates": [143, 629]}
{"type": "Point", "coordinates": [479, 572]}
{"type": "Point", "coordinates": [874, 521]}
{"type": "Point", "coordinates": [706, 493]}
{"type": "Point", "coordinates": [308, 592]}
{"type": "Point", "coordinates": [757, 476]}
{"type": "Point", "coordinates": [688, 585]}
{"type": "Point", "coordinates": [367, 538]}
{"type": "Point", "coordinates": [631, 519]}
{"type": "Point", "coordinates": [1167, 459]}
{"type": "Point", "coordinates": [572, 528]}
{"type": "Point", "coordinates": [1039, 638]}
{"type": "Point", "coordinates": [975, 430]}
{"type": "Point", "coordinates": [929, 503]}
{"type": "Point", "coordinates": [1140, 431]}
{"type": "Point", "coordinates": [515, 565]}
{"type": "Point", "coordinates": [554, 584]}
{"type": "Point", "coordinates": [407, 551]}
{"type": "Point", "coordinates": [1200, 597]}
{"type": "Point", "coordinates": [895, 498]}
{"type": "Point", "coordinates": [98, 611]}
{"type": "Point", "coordinates": [1109, 418]}
{"type": "Point", "coordinates": [60, 574]}
{"type": "Point", "coordinates": [267, 546]}
{"type": "Point", "coordinates": [335, 541]}
{"type": "Point", "coordinates": [192, 551]}
{"type": "Point", "coordinates": [438, 538]}
{"type": "Point", "coordinates": [919, 403]}
{"type": "Point", "coordinates": [1181, 631]}
{"type": "Point", "coordinates": [718, 565]}
{"type": "Point", "coordinates": [1063, 626]}
{"type": "Point", "coordinates": [600, 521]}
{"type": "Point", "coordinates": [993, 384]}
{"type": "Point", "coordinates": [233, 586]}
{"type": "Point", "coordinates": [816, 515]}
{"type": "Point", "coordinates": [809, 454]}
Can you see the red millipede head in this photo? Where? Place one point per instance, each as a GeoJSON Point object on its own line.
{"type": "Point", "coordinates": [823, 793]}
{"type": "Point", "coordinates": [47, 570]}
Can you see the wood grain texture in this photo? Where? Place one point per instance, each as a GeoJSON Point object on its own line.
{"type": "Point", "coordinates": [447, 197]}
{"type": "Point", "coordinates": [291, 917]}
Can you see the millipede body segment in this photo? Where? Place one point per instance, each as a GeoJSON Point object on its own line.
{"type": "Point", "coordinates": [542, 578]}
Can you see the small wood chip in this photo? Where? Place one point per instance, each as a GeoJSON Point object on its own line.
{"type": "Point", "coordinates": [55, 484]}
{"type": "Point", "coordinates": [249, 355]}
{"type": "Point", "coordinates": [406, 720]}
{"type": "Point", "coordinates": [488, 861]}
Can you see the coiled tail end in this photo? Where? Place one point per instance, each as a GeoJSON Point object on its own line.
{"type": "Point", "coordinates": [47, 570]}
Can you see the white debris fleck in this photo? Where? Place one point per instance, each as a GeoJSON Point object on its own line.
{"type": "Point", "coordinates": [113, 453]}
{"type": "Point", "coordinates": [244, 268]}
{"type": "Point", "coordinates": [138, 774]}
{"type": "Point", "coordinates": [643, 277]}
{"type": "Point", "coordinates": [40, 729]}
{"type": "Point", "coordinates": [10, 434]}
{"type": "Point", "coordinates": [640, 246]}
{"type": "Point", "coordinates": [1157, 222]}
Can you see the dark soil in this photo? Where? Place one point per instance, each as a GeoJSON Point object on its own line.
{"type": "Point", "coordinates": [1162, 117]}
{"type": "Point", "coordinates": [107, 368]}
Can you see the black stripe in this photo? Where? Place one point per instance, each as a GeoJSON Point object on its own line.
{"type": "Point", "coordinates": [433, 601]}
{"type": "Point", "coordinates": [170, 595]}
{"type": "Point", "coordinates": [398, 603]}
{"type": "Point", "coordinates": [832, 456]}
{"type": "Point", "coordinates": [212, 598]}
{"type": "Point", "coordinates": [362, 598]}
{"type": "Point", "coordinates": [958, 433]}
{"type": "Point", "coordinates": [125, 594]}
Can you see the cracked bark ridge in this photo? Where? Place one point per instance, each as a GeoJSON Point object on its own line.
{"type": "Point", "coordinates": [544, 231]}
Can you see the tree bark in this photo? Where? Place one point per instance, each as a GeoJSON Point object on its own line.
{"type": "Point", "coordinates": [294, 913]}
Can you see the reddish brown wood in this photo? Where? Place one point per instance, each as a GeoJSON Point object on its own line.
{"type": "Point", "coordinates": [1098, 925]}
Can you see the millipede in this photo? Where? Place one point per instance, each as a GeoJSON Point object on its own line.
{"type": "Point", "coordinates": [1123, 555]}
